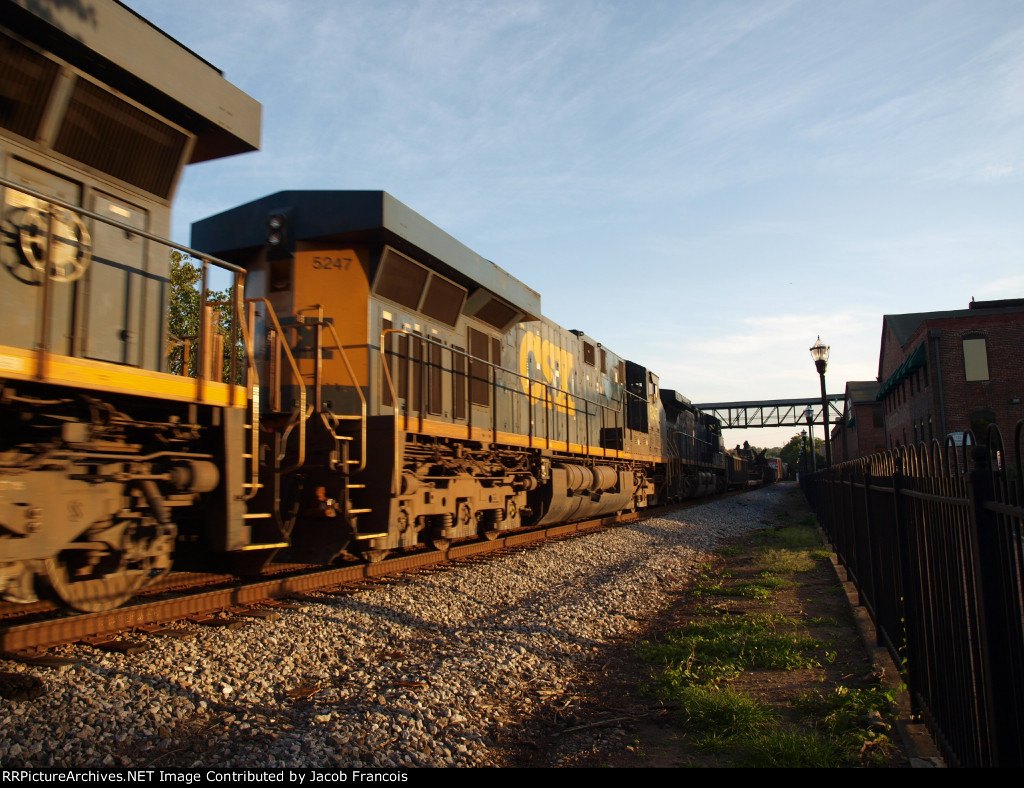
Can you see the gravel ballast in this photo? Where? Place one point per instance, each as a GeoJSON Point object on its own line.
{"type": "Point", "coordinates": [431, 670]}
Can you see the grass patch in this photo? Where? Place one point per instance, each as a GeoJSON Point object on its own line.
{"type": "Point", "coordinates": [715, 650]}
{"type": "Point", "coordinates": [794, 537]}
{"type": "Point", "coordinates": [794, 749]}
{"type": "Point", "coordinates": [761, 588]}
{"type": "Point", "coordinates": [716, 716]}
{"type": "Point", "coordinates": [784, 561]}
{"type": "Point", "coordinates": [705, 666]}
{"type": "Point", "coordinates": [845, 709]}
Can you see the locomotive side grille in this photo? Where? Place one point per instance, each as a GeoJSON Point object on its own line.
{"type": "Point", "coordinates": [26, 79]}
{"type": "Point", "coordinates": [495, 313]}
{"type": "Point", "coordinates": [443, 300]}
{"type": "Point", "coordinates": [103, 131]}
{"type": "Point", "coordinates": [401, 280]}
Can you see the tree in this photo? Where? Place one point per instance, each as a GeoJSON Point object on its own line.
{"type": "Point", "coordinates": [790, 454]}
{"type": "Point", "coordinates": [184, 315]}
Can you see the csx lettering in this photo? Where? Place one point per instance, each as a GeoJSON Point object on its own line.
{"type": "Point", "coordinates": [555, 366]}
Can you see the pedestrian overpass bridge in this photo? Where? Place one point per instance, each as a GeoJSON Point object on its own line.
{"type": "Point", "coordinates": [774, 413]}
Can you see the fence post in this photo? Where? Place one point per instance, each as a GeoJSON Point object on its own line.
{"type": "Point", "coordinates": [852, 542]}
{"type": "Point", "coordinates": [1001, 747]}
{"type": "Point", "coordinates": [908, 585]}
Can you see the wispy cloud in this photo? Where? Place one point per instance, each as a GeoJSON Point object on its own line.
{"type": "Point", "coordinates": [702, 186]}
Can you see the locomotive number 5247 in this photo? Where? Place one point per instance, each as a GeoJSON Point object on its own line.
{"type": "Point", "coordinates": [339, 263]}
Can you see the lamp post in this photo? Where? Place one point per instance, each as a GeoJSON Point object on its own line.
{"type": "Point", "coordinates": [803, 451]}
{"type": "Point", "coordinates": [819, 352]}
{"type": "Point", "coordinates": [809, 417]}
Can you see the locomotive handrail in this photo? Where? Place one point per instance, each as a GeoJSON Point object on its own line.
{"type": "Point", "coordinates": [352, 376]}
{"type": "Point", "coordinates": [549, 402]}
{"type": "Point", "coordinates": [121, 226]}
{"type": "Point", "coordinates": [301, 410]}
{"type": "Point", "coordinates": [205, 259]}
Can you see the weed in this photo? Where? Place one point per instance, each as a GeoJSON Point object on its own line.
{"type": "Point", "coordinates": [827, 621]}
{"type": "Point", "coordinates": [718, 715]}
{"type": "Point", "coordinates": [699, 662]}
{"type": "Point", "coordinates": [795, 537]}
{"type": "Point", "coordinates": [845, 710]}
{"type": "Point", "coordinates": [715, 650]}
{"type": "Point", "coordinates": [769, 580]}
{"type": "Point", "coordinates": [751, 590]}
{"type": "Point", "coordinates": [794, 749]}
{"type": "Point", "coordinates": [784, 561]}
{"type": "Point", "coordinates": [707, 589]}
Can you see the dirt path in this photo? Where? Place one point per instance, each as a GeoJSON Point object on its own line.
{"type": "Point", "coordinates": [618, 720]}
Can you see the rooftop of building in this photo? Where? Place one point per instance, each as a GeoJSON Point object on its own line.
{"type": "Point", "coordinates": [904, 326]}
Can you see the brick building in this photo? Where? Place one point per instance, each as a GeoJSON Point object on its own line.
{"type": "Point", "coordinates": [943, 373]}
{"type": "Point", "coordinates": [862, 430]}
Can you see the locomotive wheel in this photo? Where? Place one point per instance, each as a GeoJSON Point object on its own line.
{"type": "Point", "coordinates": [441, 544]}
{"type": "Point", "coordinates": [96, 580]}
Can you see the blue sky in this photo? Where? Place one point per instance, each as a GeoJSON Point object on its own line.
{"type": "Point", "coordinates": [704, 187]}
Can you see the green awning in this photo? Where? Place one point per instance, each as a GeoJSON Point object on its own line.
{"type": "Point", "coordinates": [914, 362]}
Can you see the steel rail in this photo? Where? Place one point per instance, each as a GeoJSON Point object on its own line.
{"type": "Point", "coordinates": [20, 638]}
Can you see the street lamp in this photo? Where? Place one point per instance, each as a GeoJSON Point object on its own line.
{"type": "Point", "coordinates": [819, 352]}
{"type": "Point", "coordinates": [809, 418]}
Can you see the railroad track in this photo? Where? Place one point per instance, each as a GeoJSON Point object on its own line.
{"type": "Point", "coordinates": [25, 630]}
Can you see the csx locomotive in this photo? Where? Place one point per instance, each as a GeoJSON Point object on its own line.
{"type": "Point", "coordinates": [370, 384]}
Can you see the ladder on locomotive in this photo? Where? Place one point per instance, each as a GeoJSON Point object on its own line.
{"type": "Point", "coordinates": [278, 423]}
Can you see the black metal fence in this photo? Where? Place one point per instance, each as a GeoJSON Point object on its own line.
{"type": "Point", "coordinates": [932, 538]}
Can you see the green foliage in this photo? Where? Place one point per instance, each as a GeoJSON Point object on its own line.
{"type": "Point", "coordinates": [795, 537]}
{"type": "Point", "coordinates": [717, 716]}
{"type": "Point", "coordinates": [784, 562]}
{"type": "Point", "coordinates": [756, 589]}
{"type": "Point", "coordinates": [788, 749]}
{"type": "Point", "coordinates": [700, 666]}
{"type": "Point", "coordinates": [790, 453]}
{"type": "Point", "coordinates": [717, 649]}
{"type": "Point", "coordinates": [846, 709]}
{"type": "Point", "coordinates": [184, 316]}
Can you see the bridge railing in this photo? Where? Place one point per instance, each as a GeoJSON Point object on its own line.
{"type": "Point", "coordinates": [933, 538]}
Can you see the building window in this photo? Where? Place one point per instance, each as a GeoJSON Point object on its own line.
{"type": "Point", "coordinates": [975, 359]}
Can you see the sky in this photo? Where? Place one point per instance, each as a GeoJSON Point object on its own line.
{"type": "Point", "coordinates": [703, 187]}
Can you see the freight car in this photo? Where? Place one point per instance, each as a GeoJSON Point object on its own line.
{"type": "Point", "coordinates": [381, 386]}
